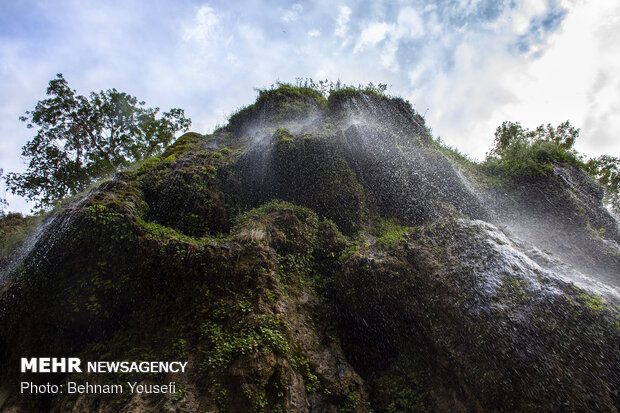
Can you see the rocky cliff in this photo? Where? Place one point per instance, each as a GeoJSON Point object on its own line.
{"type": "Point", "coordinates": [323, 255]}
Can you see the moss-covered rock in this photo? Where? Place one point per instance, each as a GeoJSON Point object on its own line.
{"type": "Point", "coordinates": [307, 170]}
{"type": "Point", "coordinates": [320, 255]}
{"type": "Point", "coordinates": [279, 106]}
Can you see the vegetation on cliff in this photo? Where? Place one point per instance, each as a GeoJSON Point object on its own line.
{"type": "Point", "coordinates": [323, 253]}
{"type": "Point", "coordinates": [81, 139]}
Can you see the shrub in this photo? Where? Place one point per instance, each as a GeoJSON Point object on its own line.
{"type": "Point", "coordinates": [520, 151]}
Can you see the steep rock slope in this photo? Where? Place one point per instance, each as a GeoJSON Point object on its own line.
{"type": "Point", "coordinates": [323, 255]}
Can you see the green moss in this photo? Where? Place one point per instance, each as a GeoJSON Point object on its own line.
{"type": "Point", "coordinates": [358, 244]}
{"type": "Point", "coordinates": [283, 136]}
{"type": "Point", "coordinates": [119, 197]}
{"type": "Point", "coordinates": [349, 91]}
{"type": "Point", "coordinates": [339, 96]}
{"type": "Point", "coordinates": [184, 144]}
{"type": "Point", "coordinates": [282, 103]}
{"type": "Point", "coordinates": [513, 290]}
{"type": "Point", "coordinates": [163, 233]}
{"type": "Point", "coordinates": [300, 364]}
{"type": "Point", "coordinates": [314, 173]}
{"type": "Point", "coordinates": [389, 232]}
{"type": "Point", "coordinates": [188, 196]}
{"type": "Point", "coordinates": [352, 402]}
{"type": "Point", "coordinates": [257, 334]}
{"type": "Point", "coordinates": [403, 387]}
{"type": "Point", "coordinates": [268, 214]}
{"type": "Point", "coordinates": [289, 92]}
{"type": "Point", "coordinates": [292, 231]}
{"type": "Point", "coordinates": [297, 267]}
{"type": "Point", "coordinates": [591, 301]}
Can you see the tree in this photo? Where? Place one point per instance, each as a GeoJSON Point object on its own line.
{"type": "Point", "coordinates": [606, 169]}
{"type": "Point", "coordinates": [81, 139]}
{"type": "Point", "coordinates": [527, 151]}
{"type": "Point", "coordinates": [3, 203]}
{"type": "Point", "coordinates": [511, 134]}
{"type": "Point", "coordinates": [524, 153]}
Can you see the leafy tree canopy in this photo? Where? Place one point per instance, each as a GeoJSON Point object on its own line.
{"type": "Point", "coordinates": [3, 203]}
{"type": "Point", "coordinates": [510, 135]}
{"type": "Point", "coordinates": [80, 139]}
{"type": "Point", "coordinates": [606, 169]}
{"type": "Point", "coordinates": [521, 151]}
{"type": "Point", "coordinates": [518, 151]}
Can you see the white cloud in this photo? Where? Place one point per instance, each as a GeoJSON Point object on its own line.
{"type": "Point", "coordinates": [291, 15]}
{"type": "Point", "coordinates": [314, 33]}
{"type": "Point", "coordinates": [409, 24]}
{"type": "Point", "coordinates": [461, 101]}
{"type": "Point", "coordinates": [342, 23]}
{"type": "Point", "coordinates": [388, 56]}
{"type": "Point", "coordinates": [575, 75]}
{"type": "Point", "coordinates": [373, 34]}
{"type": "Point", "coordinates": [250, 33]}
{"type": "Point", "coordinates": [525, 11]}
{"type": "Point", "coordinates": [204, 27]}
{"type": "Point", "coordinates": [596, 50]}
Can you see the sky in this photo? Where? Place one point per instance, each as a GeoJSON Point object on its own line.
{"type": "Point", "coordinates": [465, 65]}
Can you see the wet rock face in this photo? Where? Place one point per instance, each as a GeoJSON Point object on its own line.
{"type": "Point", "coordinates": [486, 319]}
{"type": "Point", "coordinates": [323, 256]}
{"type": "Point", "coordinates": [390, 114]}
{"type": "Point", "coordinates": [405, 178]}
{"type": "Point", "coordinates": [285, 107]}
{"type": "Point", "coordinates": [562, 213]}
{"type": "Point", "coordinates": [290, 168]}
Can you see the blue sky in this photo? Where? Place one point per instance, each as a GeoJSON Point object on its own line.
{"type": "Point", "coordinates": [466, 65]}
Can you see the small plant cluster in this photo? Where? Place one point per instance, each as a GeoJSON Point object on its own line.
{"type": "Point", "coordinates": [325, 87]}
{"type": "Point", "coordinates": [521, 151]}
{"type": "Point", "coordinates": [390, 233]}
{"type": "Point", "coordinates": [260, 333]}
{"type": "Point", "coordinates": [511, 134]}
